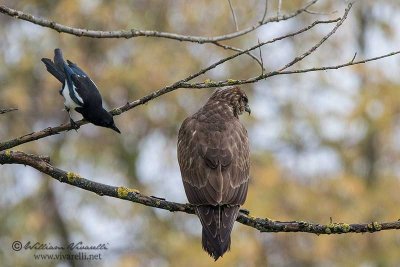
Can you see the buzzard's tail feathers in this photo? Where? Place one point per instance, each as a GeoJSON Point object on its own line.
{"type": "Point", "coordinates": [213, 246]}
{"type": "Point", "coordinates": [217, 222]}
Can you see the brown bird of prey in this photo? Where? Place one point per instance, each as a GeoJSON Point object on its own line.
{"type": "Point", "coordinates": [213, 155]}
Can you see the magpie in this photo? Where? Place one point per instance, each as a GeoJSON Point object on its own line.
{"type": "Point", "coordinates": [79, 91]}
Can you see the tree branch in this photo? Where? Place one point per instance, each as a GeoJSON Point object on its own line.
{"type": "Point", "coordinates": [315, 47]}
{"type": "Point", "coordinates": [279, 7]}
{"type": "Point", "coordinates": [209, 84]}
{"type": "Point", "coordinates": [266, 11]}
{"type": "Point", "coordinates": [233, 16]}
{"type": "Point", "coordinates": [232, 48]}
{"type": "Point", "coordinates": [43, 165]}
{"type": "Point", "coordinates": [132, 33]}
{"type": "Point", "coordinates": [5, 110]}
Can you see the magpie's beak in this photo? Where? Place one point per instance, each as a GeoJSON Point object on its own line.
{"type": "Point", "coordinates": [247, 109]}
{"type": "Point", "coordinates": [115, 128]}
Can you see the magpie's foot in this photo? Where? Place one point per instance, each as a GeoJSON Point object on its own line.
{"type": "Point", "coordinates": [74, 125]}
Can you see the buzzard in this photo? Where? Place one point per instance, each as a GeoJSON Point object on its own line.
{"type": "Point", "coordinates": [213, 155]}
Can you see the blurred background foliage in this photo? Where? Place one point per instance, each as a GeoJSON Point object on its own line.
{"type": "Point", "coordinates": [324, 145]}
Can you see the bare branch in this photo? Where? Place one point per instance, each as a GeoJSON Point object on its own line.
{"type": "Point", "coordinates": [261, 58]}
{"type": "Point", "coordinates": [6, 110]}
{"type": "Point", "coordinates": [354, 57]}
{"type": "Point", "coordinates": [275, 73]}
{"type": "Point", "coordinates": [279, 7]}
{"type": "Point", "coordinates": [38, 135]}
{"type": "Point", "coordinates": [133, 195]}
{"type": "Point", "coordinates": [350, 63]}
{"type": "Point", "coordinates": [339, 22]}
{"type": "Point", "coordinates": [320, 13]}
{"type": "Point", "coordinates": [266, 11]}
{"type": "Point", "coordinates": [132, 33]}
{"type": "Point", "coordinates": [240, 50]}
{"type": "Point", "coordinates": [312, 49]}
{"type": "Point", "coordinates": [233, 15]}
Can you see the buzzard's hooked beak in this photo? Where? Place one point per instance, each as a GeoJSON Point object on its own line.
{"type": "Point", "coordinates": [247, 109]}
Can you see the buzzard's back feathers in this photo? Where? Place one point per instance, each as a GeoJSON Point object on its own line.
{"type": "Point", "coordinates": [213, 154]}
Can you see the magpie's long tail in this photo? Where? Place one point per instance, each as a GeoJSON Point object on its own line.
{"type": "Point", "coordinates": [56, 68]}
{"type": "Point", "coordinates": [59, 59]}
{"type": "Point", "coordinates": [217, 222]}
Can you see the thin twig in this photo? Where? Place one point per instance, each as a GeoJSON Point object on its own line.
{"type": "Point", "coordinates": [320, 13]}
{"type": "Point", "coordinates": [261, 58]}
{"type": "Point", "coordinates": [279, 7]}
{"type": "Point", "coordinates": [354, 57]}
{"type": "Point", "coordinates": [133, 195]}
{"type": "Point", "coordinates": [233, 16]}
{"type": "Point", "coordinates": [350, 63]}
{"type": "Point", "coordinates": [265, 12]}
{"type": "Point", "coordinates": [240, 50]}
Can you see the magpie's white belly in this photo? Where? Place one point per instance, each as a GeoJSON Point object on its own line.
{"type": "Point", "coordinates": [68, 102]}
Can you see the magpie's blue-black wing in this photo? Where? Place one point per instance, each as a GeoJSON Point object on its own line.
{"type": "Point", "coordinates": [87, 90]}
{"type": "Point", "coordinates": [77, 80]}
{"type": "Point", "coordinates": [85, 87]}
{"type": "Point", "coordinates": [76, 69]}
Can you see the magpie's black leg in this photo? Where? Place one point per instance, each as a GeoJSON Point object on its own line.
{"type": "Point", "coordinates": [74, 125]}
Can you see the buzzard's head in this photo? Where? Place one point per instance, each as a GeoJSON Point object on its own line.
{"type": "Point", "coordinates": [234, 97]}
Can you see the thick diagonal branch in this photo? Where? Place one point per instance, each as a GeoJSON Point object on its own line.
{"type": "Point", "coordinates": [43, 165]}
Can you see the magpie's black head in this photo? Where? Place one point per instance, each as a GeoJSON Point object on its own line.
{"type": "Point", "coordinates": [102, 118]}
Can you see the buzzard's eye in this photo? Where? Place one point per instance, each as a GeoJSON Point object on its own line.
{"type": "Point", "coordinates": [245, 99]}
